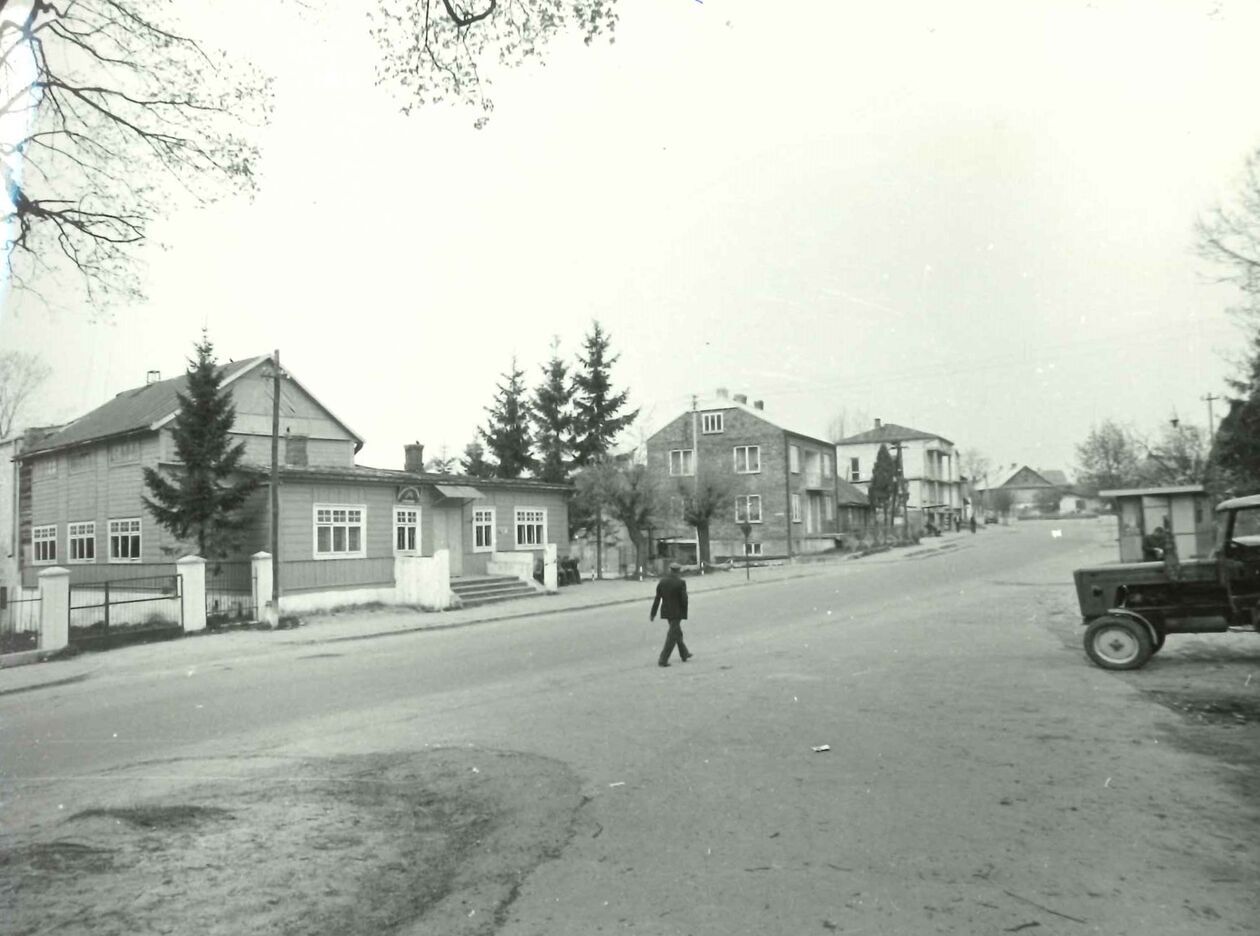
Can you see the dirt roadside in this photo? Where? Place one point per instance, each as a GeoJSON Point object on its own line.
{"type": "Point", "coordinates": [431, 843]}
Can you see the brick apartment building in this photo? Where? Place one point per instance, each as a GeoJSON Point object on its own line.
{"type": "Point", "coordinates": [783, 483]}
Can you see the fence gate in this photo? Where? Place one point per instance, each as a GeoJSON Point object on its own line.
{"type": "Point", "coordinates": [19, 621]}
{"type": "Point", "coordinates": [230, 593]}
{"type": "Point", "coordinates": [106, 614]}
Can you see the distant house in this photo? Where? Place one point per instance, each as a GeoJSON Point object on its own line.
{"type": "Point", "coordinates": [341, 524]}
{"type": "Point", "coordinates": [929, 462]}
{"type": "Point", "coordinates": [783, 483]}
{"type": "Point", "coordinates": [12, 481]}
{"type": "Point", "coordinates": [1025, 485]}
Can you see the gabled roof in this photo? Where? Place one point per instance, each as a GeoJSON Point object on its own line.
{"type": "Point", "coordinates": [364, 473]}
{"type": "Point", "coordinates": [1055, 477]}
{"type": "Point", "coordinates": [1009, 475]}
{"type": "Point", "coordinates": [890, 432]}
{"type": "Point", "coordinates": [144, 408]}
{"type": "Point", "coordinates": [715, 403]}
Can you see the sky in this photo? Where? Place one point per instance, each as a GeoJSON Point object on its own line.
{"type": "Point", "coordinates": [975, 219]}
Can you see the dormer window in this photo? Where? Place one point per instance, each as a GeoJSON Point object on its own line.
{"type": "Point", "coordinates": [711, 423]}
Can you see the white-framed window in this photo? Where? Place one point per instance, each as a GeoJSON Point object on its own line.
{"type": "Point", "coordinates": [796, 508]}
{"type": "Point", "coordinates": [752, 549]}
{"type": "Point", "coordinates": [682, 462]}
{"type": "Point", "coordinates": [712, 422]}
{"type": "Point", "coordinates": [124, 540]}
{"type": "Point", "coordinates": [748, 507]}
{"type": "Point", "coordinates": [855, 469]}
{"type": "Point", "coordinates": [82, 461]}
{"type": "Point", "coordinates": [826, 465]}
{"type": "Point", "coordinates": [339, 531]}
{"type": "Point", "coordinates": [81, 542]}
{"type": "Point", "coordinates": [483, 529]}
{"type": "Point", "coordinates": [829, 507]}
{"type": "Point", "coordinates": [747, 459]}
{"type": "Point", "coordinates": [794, 459]}
{"type": "Point", "coordinates": [128, 450]}
{"type": "Point", "coordinates": [531, 526]}
{"type": "Point", "coordinates": [44, 545]}
{"type": "Point", "coordinates": [46, 467]}
{"type": "Point", "coordinates": [407, 530]}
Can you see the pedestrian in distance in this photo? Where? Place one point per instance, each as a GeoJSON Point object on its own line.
{"type": "Point", "coordinates": [671, 601]}
{"type": "Point", "coordinates": [973, 523]}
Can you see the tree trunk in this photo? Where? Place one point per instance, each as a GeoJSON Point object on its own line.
{"type": "Point", "coordinates": [702, 538]}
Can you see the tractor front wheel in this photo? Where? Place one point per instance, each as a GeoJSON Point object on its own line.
{"type": "Point", "coordinates": [1118, 643]}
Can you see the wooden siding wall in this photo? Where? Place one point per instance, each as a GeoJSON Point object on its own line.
{"type": "Point", "coordinates": [300, 414]}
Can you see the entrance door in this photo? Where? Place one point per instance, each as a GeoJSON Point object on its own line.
{"type": "Point", "coordinates": [448, 533]}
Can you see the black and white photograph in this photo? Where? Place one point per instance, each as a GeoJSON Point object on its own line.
{"type": "Point", "coordinates": [663, 467]}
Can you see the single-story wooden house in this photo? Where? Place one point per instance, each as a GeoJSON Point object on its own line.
{"type": "Point", "coordinates": [341, 525]}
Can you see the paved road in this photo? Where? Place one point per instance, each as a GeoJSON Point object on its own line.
{"type": "Point", "coordinates": [981, 776]}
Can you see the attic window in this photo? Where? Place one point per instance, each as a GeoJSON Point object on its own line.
{"type": "Point", "coordinates": [711, 422]}
{"type": "Point", "coordinates": [295, 450]}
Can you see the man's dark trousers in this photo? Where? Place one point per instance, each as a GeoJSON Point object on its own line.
{"type": "Point", "coordinates": [672, 639]}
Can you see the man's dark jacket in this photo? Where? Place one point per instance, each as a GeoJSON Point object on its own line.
{"type": "Point", "coordinates": [671, 598]}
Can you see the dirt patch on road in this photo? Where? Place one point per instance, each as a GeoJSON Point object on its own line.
{"type": "Point", "coordinates": [437, 842]}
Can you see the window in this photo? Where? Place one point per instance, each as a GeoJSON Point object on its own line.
{"type": "Point", "coordinates": [711, 422]}
{"type": "Point", "coordinates": [124, 540]}
{"type": "Point", "coordinates": [748, 507]}
{"type": "Point", "coordinates": [531, 526]}
{"type": "Point", "coordinates": [752, 549]}
{"type": "Point", "coordinates": [826, 465]}
{"type": "Point", "coordinates": [796, 508]}
{"type": "Point", "coordinates": [794, 459]}
{"type": "Point", "coordinates": [829, 506]}
{"type": "Point", "coordinates": [406, 530]}
{"type": "Point", "coordinates": [81, 461]}
{"type": "Point", "coordinates": [483, 529]}
{"type": "Point", "coordinates": [44, 544]}
{"type": "Point", "coordinates": [855, 470]}
{"type": "Point", "coordinates": [46, 467]}
{"type": "Point", "coordinates": [125, 451]}
{"type": "Point", "coordinates": [682, 462]}
{"type": "Point", "coordinates": [295, 451]}
{"type": "Point", "coordinates": [747, 459]}
{"type": "Point", "coordinates": [81, 542]}
{"type": "Point", "coordinates": [339, 531]}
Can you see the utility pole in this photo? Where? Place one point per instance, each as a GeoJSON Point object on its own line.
{"type": "Point", "coordinates": [275, 484]}
{"type": "Point", "coordinates": [1209, 398]}
{"type": "Point", "coordinates": [695, 468]}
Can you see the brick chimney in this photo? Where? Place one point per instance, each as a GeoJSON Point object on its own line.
{"type": "Point", "coordinates": [413, 458]}
{"type": "Point", "coordinates": [723, 393]}
{"type": "Point", "coordinates": [759, 404]}
{"type": "Point", "coordinates": [878, 424]}
{"type": "Point", "coordinates": [152, 377]}
{"type": "Point", "coordinates": [741, 398]}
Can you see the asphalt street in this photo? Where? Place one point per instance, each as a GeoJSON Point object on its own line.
{"type": "Point", "coordinates": [980, 777]}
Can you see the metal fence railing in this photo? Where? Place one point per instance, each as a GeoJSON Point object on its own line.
{"type": "Point", "coordinates": [19, 620]}
{"type": "Point", "coordinates": [230, 593]}
{"type": "Point", "coordinates": [105, 614]}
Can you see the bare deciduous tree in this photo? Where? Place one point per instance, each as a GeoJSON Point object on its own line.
{"type": "Point", "coordinates": [20, 374]}
{"type": "Point", "coordinates": [1229, 236]}
{"type": "Point", "coordinates": [109, 116]}
{"type": "Point", "coordinates": [435, 50]}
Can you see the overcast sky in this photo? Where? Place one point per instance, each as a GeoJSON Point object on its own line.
{"type": "Point", "coordinates": [970, 218]}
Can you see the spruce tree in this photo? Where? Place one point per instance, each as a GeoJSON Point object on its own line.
{"type": "Point", "coordinates": [881, 488]}
{"type": "Point", "coordinates": [597, 416]}
{"type": "Point", "coordinates": [474, 462]}
{"type": "Point", "coordinates": [508, 434]}
{"type": "Point", "coordinates": [202, 500]}
{"type": "Point", "coordinates": [1235, 455]}
{"type": "Point", "coordinates": [553, 418]}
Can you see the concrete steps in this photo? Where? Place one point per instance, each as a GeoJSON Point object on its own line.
{"type": "Point", "coordinates": [475, 590]}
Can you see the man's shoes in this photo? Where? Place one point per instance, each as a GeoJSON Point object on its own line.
{"type": "Point", "coordinates": [662, 663]}
{"type": "Point", "coordinates": [687, 658]}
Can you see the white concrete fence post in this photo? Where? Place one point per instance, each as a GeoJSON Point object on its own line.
{"type": "Point", "coordinates": [260, 567]}
{"type": "Point", "coordinates": [192, 590]}
{"type": "Point", "coordinates": [54, 609]}
{"type": "Point", "coordinates": [551, 580]}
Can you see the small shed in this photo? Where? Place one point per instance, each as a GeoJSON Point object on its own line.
{"type": "Point", "coordinates": [1182, 511]}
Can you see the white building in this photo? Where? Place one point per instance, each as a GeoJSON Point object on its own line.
{"type": "Point", "coordinates": [929, 462]}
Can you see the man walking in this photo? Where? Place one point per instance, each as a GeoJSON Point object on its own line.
{"type": "Point", "coordinates": [671, 601]}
